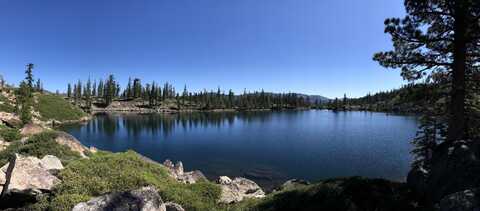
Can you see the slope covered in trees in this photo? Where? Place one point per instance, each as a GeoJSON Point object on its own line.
{"type": "Point", "coordinates": [154, 95]}
{"type": "Point", "coordinates": [411, 98]}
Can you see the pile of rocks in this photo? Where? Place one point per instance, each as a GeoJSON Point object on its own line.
{"type": "Point", "coordinates": [177, 172]}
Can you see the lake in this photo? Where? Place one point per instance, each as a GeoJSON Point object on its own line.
{"type": "Point", "coordinates": [267, 147]}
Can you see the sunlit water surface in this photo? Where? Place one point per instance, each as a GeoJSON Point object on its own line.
{"type": "Point", "coordinates": [268, 147]}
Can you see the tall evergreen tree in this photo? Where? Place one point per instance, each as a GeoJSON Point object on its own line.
{"type": "Point", "coordinates": [438, 38]}
{"type": "Point", "coordinates": [69, 90]}
{"type": "Point", "coordinates": [29, 77]}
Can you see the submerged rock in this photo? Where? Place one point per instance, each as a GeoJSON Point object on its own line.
{"type": "Point", "coordinates": [238, 189]}
{"type": "Point", "coordinates": [143, 199]}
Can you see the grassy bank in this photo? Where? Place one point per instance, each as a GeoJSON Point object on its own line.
{"type": "Point", "coordinates": [53, 107]}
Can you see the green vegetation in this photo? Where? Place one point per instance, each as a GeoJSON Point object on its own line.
{"type": "Point", "coordinates": [154, 94]}
{"type": "Point", "coordinates": [109, 172]}
{"type": "Point", "coordinates": [6, 105]}
{"type": "Point", "coordinates": [53, 107]}
{"type": "Point", "coordinates": [39, 145]}
{"type": "Point", "coordinates": [9, 134]}
{"type": "Point", "coordinates": [354, 193]}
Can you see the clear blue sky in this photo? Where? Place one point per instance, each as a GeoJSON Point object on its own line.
{"type": "Point", "coordinates": [310, 46]}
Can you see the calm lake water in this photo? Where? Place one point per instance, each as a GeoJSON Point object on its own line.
{"type": "Point", "coordinates": [268, 147]}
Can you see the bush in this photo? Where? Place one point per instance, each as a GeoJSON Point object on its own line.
{"type": "Point", "coordinates": [5, 105]}
{"type": "Point", "coordinates": [52, 107]}
{"type": "Point", "coordinates": [39, 145]}
{"type": "Point", "coordinates": [110, 172]}
{"type": "Point", "coordinates": [10, 134]}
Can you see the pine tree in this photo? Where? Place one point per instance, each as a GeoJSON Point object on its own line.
{"type": "Point", "coordinates": [24, 101]}
{"type": "Point", "coordinates": [29, 77]}
{"type": "Point", "coordinates": [69, 90]}
{"type": "Point", "coordinates": [440, 38]}
{"type": "Point", "coordinates": [38, 86]}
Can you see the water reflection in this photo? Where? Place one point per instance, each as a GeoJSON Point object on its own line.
{"type": "Point", "coordinates": [268, 147]}
{"type": "Point", "coordinates": [164, 125]}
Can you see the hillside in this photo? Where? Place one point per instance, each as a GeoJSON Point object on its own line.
{"type": "Point", "coordinates": [407, 99]}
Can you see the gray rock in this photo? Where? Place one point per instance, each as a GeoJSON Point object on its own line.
{"type": "Point", "coordinates": [177, 172]}
{"type": "Point", "coordinates": [10, 119]}
{"type": "Point", "coordinates": [51, 164]}
{"type": "Point", "coordinates": [72, 143]}
{"type": "Point", "coordinates": [238, 189]}
{"type": "Point", "coordinates": [31, 129]}
{"type": "Point", "coordinates": [191, 177]}
{"type": "Point", "coordinates": [143, 199]}
{"type": "Point", "coordinates": [294, 183]}
{"type": "Point", "coordinates": [455, 167]}
{"type": "Point", "coordinates": [26, 175]}
{"type": "Point", "coordinates": [467, 200]}
{"type": "Point", "coordinates": [170, 206]}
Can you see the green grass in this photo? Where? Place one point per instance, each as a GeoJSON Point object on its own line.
{"type": "Point", "coordinates": [39, 145]}
{"type": "Point", "coordinates": [107, 172]}
{"type": "Point", "coordinates": [10, 134]}
{"type": "Point", "coordinates": [52, 107]}
{"type": "Point", "coordinates": [6, 106]}
{"type": "Point", "coordinates": [353, 193]}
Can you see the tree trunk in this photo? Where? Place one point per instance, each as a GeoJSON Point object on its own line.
{"type": "Point", "coordinates": [457, 122]}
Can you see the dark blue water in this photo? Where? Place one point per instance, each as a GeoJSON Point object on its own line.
{"type": "Point", "coordinates": [268, 147]}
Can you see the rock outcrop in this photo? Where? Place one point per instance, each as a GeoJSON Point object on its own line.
{"type": "Point", "coordinates": [143, 199]}
{"type": "Point", "coordinates": [31, 129]}
{"type": "Point", "coordinates": [467, 200]}
{"type": "Point", "coordinates": [293, 183]}
{"type": "Point", "coordinates": [455, 167]}
{"type": "Point", "coordinates": [10, 119]}
{"type": "Point", "coordinates": [29, 175]}
{"type": "Point", "coordinates": [177, 172]}
{"type": "Point", "coordinates": [72, 143]}
{"type": "Point", "coordinates": [238, 189]}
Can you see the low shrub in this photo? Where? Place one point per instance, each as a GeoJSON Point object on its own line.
{"type": "Point", "coordinates": [110, 172]}
{"type": "Point", "coordinates": [10, 134]}
{"type": "Point", "coordinates": [39, 145]}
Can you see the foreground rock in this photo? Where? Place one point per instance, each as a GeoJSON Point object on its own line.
{"type": "Point", "coordinates": [31, 129]}
{"type": "Point", "coordinates": [468, 200]}
{"type": "Point", "coordinates": [10, 119]}
{"type": "Point", "coordinates": [143, 199]}
{"type": "Point", "coordinates": [455, 167]}
{"type": "Point", "coordinates": [177, 172]}
{"type": "Point", "coordinates": [72, 143]}
{"type": "Point", "coordinates": [29, 175]}
{"type": "Point", "coordinates": [238, 189]}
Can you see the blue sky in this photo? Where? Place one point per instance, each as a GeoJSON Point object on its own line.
{"type": "Point", "coordinates": [310, 46]}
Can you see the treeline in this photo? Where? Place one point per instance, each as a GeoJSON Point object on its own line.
{"type": "Point", "coordinates": [408, 98]}
{"type": "Point", "coordinates": [154, 94]}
